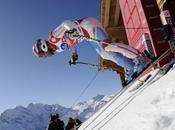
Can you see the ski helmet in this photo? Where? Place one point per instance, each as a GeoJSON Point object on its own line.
{"type": "Point", "coordinates": [40, 48]}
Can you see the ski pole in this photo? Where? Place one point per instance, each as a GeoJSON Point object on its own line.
{"type": "Point", "coordinates": [99, 66]}
{"type": "Point", "coordinates": [84, 63]}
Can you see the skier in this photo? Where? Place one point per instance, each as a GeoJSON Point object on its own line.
{"type": "Point", "coordinates": [71, 33]}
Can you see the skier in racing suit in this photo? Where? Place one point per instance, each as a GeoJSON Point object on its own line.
{"type": "Point", "coordinates": [71, 33]}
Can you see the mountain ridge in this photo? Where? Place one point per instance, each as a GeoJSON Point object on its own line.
{"type": "Point", "coordinates": [36, 116]}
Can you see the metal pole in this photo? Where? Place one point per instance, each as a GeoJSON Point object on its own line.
{"type": "Point", "coordinates": [172, 44]}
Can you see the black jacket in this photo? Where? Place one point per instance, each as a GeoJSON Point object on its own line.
{"type": "Point", "coordinates": [56, 126]}
{"type": "Point", "coordinates": [70, 126]}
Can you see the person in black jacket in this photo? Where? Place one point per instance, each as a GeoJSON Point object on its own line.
{"type": "Point", "coordinates": [71, 123]}
{"type": "Point", "coordinates": [56, 123]}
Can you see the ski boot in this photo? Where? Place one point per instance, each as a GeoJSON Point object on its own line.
{"type": "Point", "coordinates": [140, 66]}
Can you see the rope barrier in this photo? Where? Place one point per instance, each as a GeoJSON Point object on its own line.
{"type": "Point", "coordinates": [83, 91]}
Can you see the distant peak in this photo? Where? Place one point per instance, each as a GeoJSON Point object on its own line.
{"type": "Point", "coordinates": [98, 97]}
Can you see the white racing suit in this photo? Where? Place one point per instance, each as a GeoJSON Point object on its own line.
{"type": "Point", "coordinates": [91, 30]}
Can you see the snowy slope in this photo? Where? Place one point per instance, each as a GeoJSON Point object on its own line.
{"type": "Point", "coordinates": [37, 116]}
{"type": "Point", "coordinates": [151, 107]}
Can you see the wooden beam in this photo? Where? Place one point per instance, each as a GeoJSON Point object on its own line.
{"type": "Point", "coordinates": [102, 12]}
{"type": "Point", "coordinates": [107, 13]}
{"type": "Point", "coordinates": [117, 13]}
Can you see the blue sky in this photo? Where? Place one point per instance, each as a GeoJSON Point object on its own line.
{"type": "Point", "coordinates": [25, 78]}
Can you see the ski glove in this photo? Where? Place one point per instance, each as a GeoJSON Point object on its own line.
{"type": "Point", "coordinates": [73, 59]}
{"type": "Point", "coordinates": [72, 34]}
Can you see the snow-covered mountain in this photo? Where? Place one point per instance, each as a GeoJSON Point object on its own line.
{"type": "Point", "coordinates": [37, 116]}
{"type": "Point", "coordinates": [86, 109]}
{"type": "Point", "coordinates": [150, 107]}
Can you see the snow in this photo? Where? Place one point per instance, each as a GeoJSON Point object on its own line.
{"type": "Point", "coordinates": [150, 107]}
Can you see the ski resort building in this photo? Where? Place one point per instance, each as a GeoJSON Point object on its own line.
{"type": "Point", "coordinates": [137, 23]}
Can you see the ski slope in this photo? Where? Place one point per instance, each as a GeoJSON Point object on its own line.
{"type": "Point", "coordinates": [150, 107]}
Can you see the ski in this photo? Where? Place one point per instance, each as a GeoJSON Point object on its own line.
{"type": "Point", "coordinates": [141, 82]}
{"type": "Point", "coordinates": [151, 78]}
